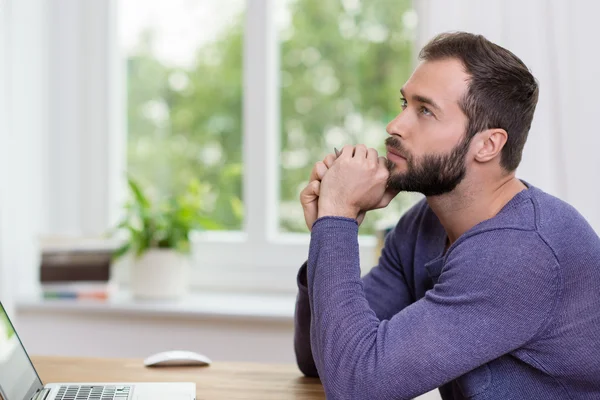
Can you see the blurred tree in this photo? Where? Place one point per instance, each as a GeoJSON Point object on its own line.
{"type": "Point", "coordinates": [342, 65]}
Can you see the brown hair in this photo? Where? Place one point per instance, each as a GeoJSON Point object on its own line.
{"type": "Point", "coordinates": [502, 92]}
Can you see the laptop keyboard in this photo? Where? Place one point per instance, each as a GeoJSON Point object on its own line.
{"type": "Point", "coordinates": [93, 393]}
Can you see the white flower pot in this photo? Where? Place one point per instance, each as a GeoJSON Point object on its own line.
{"type": "Point", "coordinates": [160, 274]}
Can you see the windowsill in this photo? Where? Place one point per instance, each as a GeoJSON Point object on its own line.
{"type": "Point", "coordinates": [254, 307]}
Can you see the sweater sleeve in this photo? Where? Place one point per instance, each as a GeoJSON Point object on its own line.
{"type": "Point", "coordinates": [496, 291]}
{"type": "Point", "coordinates": [386, 291]}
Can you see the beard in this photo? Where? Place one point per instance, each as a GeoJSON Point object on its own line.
{"type": "Point", "coordinates": [432, 174]}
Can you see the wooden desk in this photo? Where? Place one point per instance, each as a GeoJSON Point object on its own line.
{"type": "Point", "coordinates": [219, 381]}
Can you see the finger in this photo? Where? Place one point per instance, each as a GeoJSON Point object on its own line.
{"type": "Point", "coordinates": [328, 161]}
{"type": "Point", "coordinates": [347, 151]}
{"type": "Point", "coordinates": [315, 186]}
{"type": "Point", "coordinates": [310, 192]}
{"type": "Point", "coordinates": [318, 171]}
{"type": "Point", "coordinates": [360, 151]}
{"type": "Point", "coordinates": [372, 155]}
{"type": "Point", "coordinates": [383, 168]}
{"type": "Point", "coordinates": [388, 196]}
{"type": "Point", "coordinates": [360, 217]}
{"type": "Point", "coordinates": [382, 161]}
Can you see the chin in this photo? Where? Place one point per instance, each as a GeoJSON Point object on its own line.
{"type": "Point", "coordinates": [398, 169]}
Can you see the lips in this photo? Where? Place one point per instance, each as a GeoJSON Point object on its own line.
{"type": "Point", "coordinates": [395, 152]}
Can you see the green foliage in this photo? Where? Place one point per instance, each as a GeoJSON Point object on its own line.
{"type": "Point", "coordinates": [165, 224]}
{"type": "Point", "coordinates": [341, 71]}
{"type": "Point", "coordinates": [4, 320]}
{"type": "Point", "coordinates": [191, 130]}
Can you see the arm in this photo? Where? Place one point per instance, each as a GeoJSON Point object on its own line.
{"type": "Point", "coordinates": [480, 309]}
{"type": "Point", "coordinates": [385, 285]}
{"type": "Point", "coordinates": [385, 288]}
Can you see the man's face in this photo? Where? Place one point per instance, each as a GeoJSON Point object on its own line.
{"type": "Point", "coordinates": [427, 147]}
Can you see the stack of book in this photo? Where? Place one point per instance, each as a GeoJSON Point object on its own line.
{"type": "Point", "coordinates": [76, 271]}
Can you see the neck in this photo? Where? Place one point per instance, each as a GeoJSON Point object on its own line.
{"type": "Point", "coordinates": [473, 202]}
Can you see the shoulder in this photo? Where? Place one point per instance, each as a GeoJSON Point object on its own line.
{"type": "Point", "coordinates": [556, 218]}
{"type": "Point", "coordinates": [507, 268]}
{"type": "Point", "coordinates": [511, 260]}
{"type": "Point", "coordinates": [503, 246]}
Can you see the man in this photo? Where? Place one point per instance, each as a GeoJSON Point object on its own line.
{"type": "Point", "coordinates": [489, 288]}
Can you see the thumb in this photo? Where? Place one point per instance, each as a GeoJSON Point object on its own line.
{"type": "Point", "coordinates": [387, 197]}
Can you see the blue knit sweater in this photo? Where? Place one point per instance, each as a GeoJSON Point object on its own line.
{"type": "Point", "coordinates": [510, 311]}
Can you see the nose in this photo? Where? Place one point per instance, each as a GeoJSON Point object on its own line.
{"type": "Point", "coordinates": [397, 126]}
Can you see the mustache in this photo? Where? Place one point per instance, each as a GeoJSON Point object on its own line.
{"type": "Point", "coordinates": [397, 145]}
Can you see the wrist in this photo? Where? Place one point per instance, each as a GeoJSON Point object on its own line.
{"type": "Point", "coordinates": [346, 212]}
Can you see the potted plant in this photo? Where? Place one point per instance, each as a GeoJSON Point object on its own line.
{"type": "Point", "coordinates": [157, 236]}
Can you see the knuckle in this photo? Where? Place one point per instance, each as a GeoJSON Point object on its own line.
{"type": "Point", "coordinates": [382, 175]}
{"type": "Point", "coordinates": [302, 195]}
{"type": "Point", "coordinates": [327, 161]}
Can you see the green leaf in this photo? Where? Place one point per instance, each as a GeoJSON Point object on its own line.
{"type": "Point", "coordinates": [208, 224]}
{"type": "Point", "coordinates": [138, 194]}
{"type": "Point", "coordinates": [121, 251]}
{"type": "Point", "coordinates": [237, 206]}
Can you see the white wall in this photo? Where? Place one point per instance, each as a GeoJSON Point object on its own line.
{"type": "Point", "coordinates": [76, 333]}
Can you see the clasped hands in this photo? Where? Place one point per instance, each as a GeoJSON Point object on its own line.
{"type": "Point", "coordinates": [348, 185]}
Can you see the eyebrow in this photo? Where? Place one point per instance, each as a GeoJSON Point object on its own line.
{"type": "Point", "coordinates": [423, 99]}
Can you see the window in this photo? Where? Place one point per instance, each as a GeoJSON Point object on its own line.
{"type": "Point", "coordinates": [184, 99]}
{"type": "Point", "coordinates": [342, 65]}
{"type": "Point", "coordinates": [245, 96]}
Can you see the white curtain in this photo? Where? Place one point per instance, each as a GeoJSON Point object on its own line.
{"type": "Point", "coordinates": [3, 130]}
{"type": "Point", "coordinates": [59, 145]}
{"type": "Point", "coordinates": [22, 124]}
{"type": "Point", "coordinates": [558, 41]}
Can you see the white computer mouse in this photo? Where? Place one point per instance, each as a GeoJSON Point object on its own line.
{"type": "Point", "coordinates": [176, 358]}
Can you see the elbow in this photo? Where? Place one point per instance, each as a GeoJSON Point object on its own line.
{"type": "Point", "coordinates": [308, 369]}
{"type": "Point", "coordinates": [306, 364]}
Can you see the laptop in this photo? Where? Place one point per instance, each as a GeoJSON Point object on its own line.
{"type": "Point", "coordinates": [20, 381]}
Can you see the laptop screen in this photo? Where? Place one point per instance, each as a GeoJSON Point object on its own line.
{"type": "Point", "coordinates": [18, 379]}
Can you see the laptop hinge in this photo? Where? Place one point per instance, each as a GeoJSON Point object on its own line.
{"type": "Point", "coordinates": [41, 395]}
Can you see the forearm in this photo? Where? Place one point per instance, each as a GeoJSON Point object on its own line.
{"type": "Point", "coordinates": [342, 323]}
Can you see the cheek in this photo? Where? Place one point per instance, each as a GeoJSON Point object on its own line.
{"type": "Point", "coordinates": [436, 137]}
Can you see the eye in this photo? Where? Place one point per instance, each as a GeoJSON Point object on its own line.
{"type": "Point", "coordinates": [403, 103]}
{"type": "Point", "coordinates": [425, 111]}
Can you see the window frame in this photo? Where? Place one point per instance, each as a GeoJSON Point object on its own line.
{"type": "Point", "coordinates": [264, 259]}
{"type": "Point", "coordinates": [256, 259]}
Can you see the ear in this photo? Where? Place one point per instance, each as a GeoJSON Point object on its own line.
{"type": "Point", "coordinates": [489, 144]}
